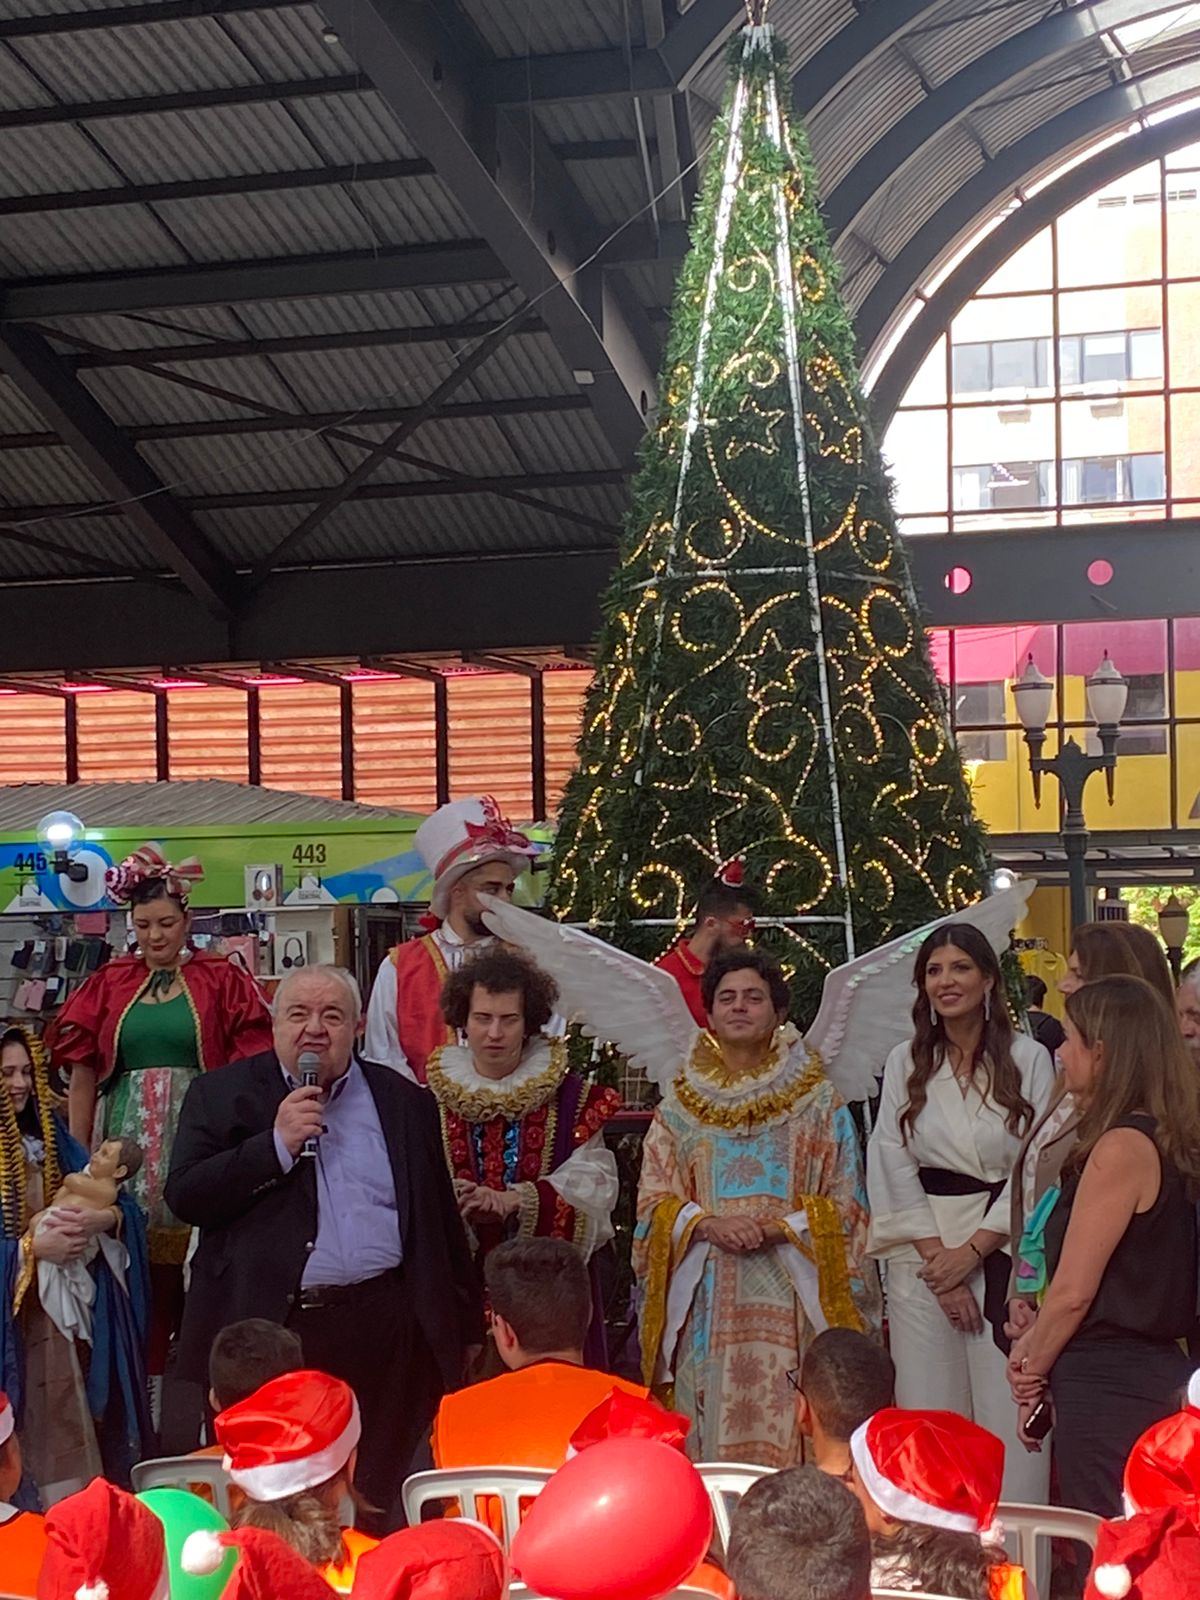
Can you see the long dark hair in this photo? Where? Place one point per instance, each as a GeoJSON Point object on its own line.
{"type": "Point", "coordinates": [929, 1033]}
{"type": "Point", "coordinates": [939, 1559]}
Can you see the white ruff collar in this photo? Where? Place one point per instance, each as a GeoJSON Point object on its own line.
{"type": "Point", "coordinates": [456, 1082]}
{"type": "Point", "coordinates": [708, 1093]}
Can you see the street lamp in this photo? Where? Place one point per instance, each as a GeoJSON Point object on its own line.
{"type": "Point", "coordinates": [1173, 926]}
{"type": "Point", "coordinates": [1106, 694]}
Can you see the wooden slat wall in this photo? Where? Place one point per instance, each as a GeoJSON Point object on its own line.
{"type": "Point", "coordinates": [207, 733]}
{"type": "Point", "coordinates": [395, 754]}
{"type": "Point", "coordinates": [565, 688]}
{"type": "Point", "coordinates": [395, 744]}
{"type": "Point", "coordinates": [301, 738]}
{"type": "Point", "coordinates": [33, 739]}
{"type": "Point", "coordinates": [489, 740]}
{"type": "Point", "coordinates": [116, 737]}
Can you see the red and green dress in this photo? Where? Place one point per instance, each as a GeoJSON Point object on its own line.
{"type": "Point", "coordinates": [146, 1053]}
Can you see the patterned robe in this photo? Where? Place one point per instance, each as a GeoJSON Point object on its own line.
{"type": "Point", "coordinates": [726, 1327]}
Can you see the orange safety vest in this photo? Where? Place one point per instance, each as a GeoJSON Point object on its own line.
{"type": "Point", "coordinates": [339, 1575]}
{"type": "Point", "coordinates": [521, 1419]}
{"type": "Point", "coordinates": [22, 1551]}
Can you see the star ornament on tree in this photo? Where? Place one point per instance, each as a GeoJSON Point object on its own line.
{"type": "Point", "coordinates": [755, 429]}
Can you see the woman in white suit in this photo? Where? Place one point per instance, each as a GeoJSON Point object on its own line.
{"type": "Point", "coordinates": [956, 1101]}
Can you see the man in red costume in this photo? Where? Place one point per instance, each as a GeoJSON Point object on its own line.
{"type": "Point", "coordinates": [469, 848]}
{"type": "Point", "coordinates": [724, 921]}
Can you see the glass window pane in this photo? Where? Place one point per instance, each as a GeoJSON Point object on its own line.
{"type": "Point", "coordinates": [1032, 267]}
{"type": "Point", "coordinates": [1103, 357]}
{"type": "Point", "coordinates": [1070, 359]}
{"type": "Point", "coordinates": [1183, 230]}
{"type": "Point", "coordinates": [1014, 364]}
{"type": "Point", "coordinates": [971, 488]}
{"type": "Point", "coordinates": [1185, 446]}
{"type": "Point", "coordinates": [1146, 353]}
{"type": "Point", "coordinates": [1183, 312]}
{"type": "Point", "coordinates": [971, 368]}
{"type": "Point", "coordinates": [928, 388]}
{"type": "Point", "coordinates": [1114, 236]}
{"type": "Point", "coordinates": [1146, 477]}
{"type": "Point", "coordinates": [914, 449]}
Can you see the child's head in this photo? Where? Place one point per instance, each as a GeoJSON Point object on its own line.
{"type": "Point", "coordinates": [844, 1379]}
{"type": "Point", "coordinates": [929, 1483]}
{"type": "Point", "coordinates": [245, 1355]}
{"type": "Point", "coordinates": [118, 1159]}
{"type": "Point", "coordinates": [799, 1532]}
{"type": "Point", "coordinates": [290, 1448]}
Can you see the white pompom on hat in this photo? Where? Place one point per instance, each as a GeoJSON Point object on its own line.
{"type": "Point", "coordinates": [267, 1569]}
{"type": "Point", "coordinates": [1152, 1556]}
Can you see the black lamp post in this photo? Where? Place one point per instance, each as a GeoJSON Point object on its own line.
{"type": "Point", "coordinates": [1106, 695]}
{"type": "Point", "coordinates": [1173, 926]}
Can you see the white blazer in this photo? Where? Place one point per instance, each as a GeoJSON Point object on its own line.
{"type": "Point", "coordinates": [961, 1133]}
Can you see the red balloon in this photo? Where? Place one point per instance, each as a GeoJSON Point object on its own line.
{"type": "Point", "coordinates": [628, 1519]}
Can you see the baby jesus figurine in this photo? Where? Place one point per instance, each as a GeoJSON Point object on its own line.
{"type": "Point", "coordinates": [67, 1292]}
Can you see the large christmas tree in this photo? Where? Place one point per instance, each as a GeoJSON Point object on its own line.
{"type": "Point", "coordinates": [764, 687]}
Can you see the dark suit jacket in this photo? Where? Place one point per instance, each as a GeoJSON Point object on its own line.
{"type": "Point", "coordinates": [257, 1224]}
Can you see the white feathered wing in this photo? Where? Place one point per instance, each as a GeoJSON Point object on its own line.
{"type": "Point", "coordinates": [610, 993]}
{"type": "Point", "coordinates": [866, 1005]}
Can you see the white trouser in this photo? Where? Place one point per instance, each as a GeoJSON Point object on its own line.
{"type": "Point", "coordinates": [939, 1368]}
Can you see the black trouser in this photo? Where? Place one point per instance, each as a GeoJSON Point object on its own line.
{"type": "Point", "coordinates": [1107, 1392]}
{"type": "Point", "coordinates": [368, 1336]}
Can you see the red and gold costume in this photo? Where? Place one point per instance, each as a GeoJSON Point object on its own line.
{"type": "Point", "coordinates": [538, 1131]}
{"type": "Point", "coordinates": [687, 970]}
{"type": "Point", "coordinates": [410, 995]}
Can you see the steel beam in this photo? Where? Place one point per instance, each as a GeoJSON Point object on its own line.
{"type": "Point", "coordinates": [939, 308]}
{"type": "Point", "coordinates": [146, 105]}
{"type": "Point", "coordinates": [233, 283]}
{"type": "Point", "coordinates": [694, 38]}
{"type": "Point", "coordinates": [577, 75]}
{"type": "Point", "coordinates": [218, 349]}
{"type": "Point", "coordinates": [507, 180]}
{"type": "Point", "coordinates": [551, 601]}
{"type": "Point", "coordinates": [28, 361]}
{"type": "Point", "coordinates": [210, 188]}
{"type": "Point", "coordinates": [1002, 176]}
{"type": "Point", "coordinates": [135, 15]}
{"type": "Point", "coordinates": [1037, 47]}
{"type": "Point", "coordinates": [854, 47]}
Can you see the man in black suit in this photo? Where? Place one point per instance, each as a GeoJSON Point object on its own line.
{"type": "Point", "coordinates": [359, 1248]}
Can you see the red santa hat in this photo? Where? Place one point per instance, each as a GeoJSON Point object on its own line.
{"type": "Point", "coordinates": [621, 1415]}
{"type": "Point", "coordinates": [463, 835]}
{"type": "Point", "coordinates": [267, 1568]}
{"type": "Point", "coordinates": [932, 1467]}
{"type": "Point", "coordinates": [1152, 1556]}
{"type": "Point", "coordinates": [7, 1420]}
{"type": "Point", "coordinates": [733, 873]}
{"type": "Point", "coordinates": [295, 1433]}
{"type": "Point", "coordinates": [453, 1559]}
{"type": "Point", "coordinates": [102, 1544]}
{"type": "Point", "coordinates": [1163, 1468]}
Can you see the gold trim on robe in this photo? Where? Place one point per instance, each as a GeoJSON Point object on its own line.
{"type": "Point", "coordinates": [658, 1281]}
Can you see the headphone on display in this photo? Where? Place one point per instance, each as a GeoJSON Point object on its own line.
{"type": "Point", "coordinates": [300, 959]}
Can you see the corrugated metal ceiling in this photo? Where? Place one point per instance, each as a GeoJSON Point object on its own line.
{"type": "Point", "coordinates": [202, 802]}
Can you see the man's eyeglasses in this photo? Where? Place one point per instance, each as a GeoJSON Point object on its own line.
{"type": "Point", "coordinates": [793, 1377]}
{"type": "Point", "coordinates": [742, 926]}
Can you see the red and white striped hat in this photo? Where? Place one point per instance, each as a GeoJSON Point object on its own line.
{"type": "Point", "coordinates": [932, 1467]}
{"type": "Point", "coordinates": [7, 1420]}
{"type": "Point", "coordinates": [461, 836]}
{"type": "Point", "coordinates": [294, 1433]}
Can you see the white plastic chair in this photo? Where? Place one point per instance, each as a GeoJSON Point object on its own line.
{"type": "Point", "coordinates": [727, 1482]}
{"type": "Point", "coordinates": [1033, 1523]}
{"type": "Point", "coordinates": [507, 1486]}
{"type": "Point", "coordinates": [181, 1472]}
{"type": "Point", "coordinates": [907, 1594]}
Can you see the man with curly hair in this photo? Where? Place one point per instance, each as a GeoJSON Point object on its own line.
{"type": "Point", "coordinates": [523, 1135]}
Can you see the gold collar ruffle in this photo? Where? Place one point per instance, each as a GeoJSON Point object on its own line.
{"type": "Point", "coordinates": [459, 1088]}
{"type": "Point", "coordinates": [709, 1093]}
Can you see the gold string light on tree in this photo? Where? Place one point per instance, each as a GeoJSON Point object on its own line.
{"type": "Point", "coordinates": [763, 685]}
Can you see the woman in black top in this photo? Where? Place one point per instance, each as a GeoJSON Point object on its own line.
{"type": "Point", "coordinates": [1120, 1242]}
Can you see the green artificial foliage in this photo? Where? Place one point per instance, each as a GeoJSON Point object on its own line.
{"type": "Point", "coordinates": [722, 722]}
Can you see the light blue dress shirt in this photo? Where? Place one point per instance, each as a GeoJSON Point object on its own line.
{"type": "Point", "coordinates": [358, 1228]}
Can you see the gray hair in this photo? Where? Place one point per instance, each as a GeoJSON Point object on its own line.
{"type": "Point", "coordinates": [1190, 976]}
{"type": "Point", "coordinates": [321, 970]}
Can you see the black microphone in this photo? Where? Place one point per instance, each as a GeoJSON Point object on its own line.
{"type": "Point", "coordinates": [310, 1066]}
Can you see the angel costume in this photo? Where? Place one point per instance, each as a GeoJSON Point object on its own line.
{"type": "Point", "coordinates": [538, 1131]}
{"type": "Point", "coordinates": [779, 1144]}
{"type": "Point", "coordinates": [730, 1327]}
